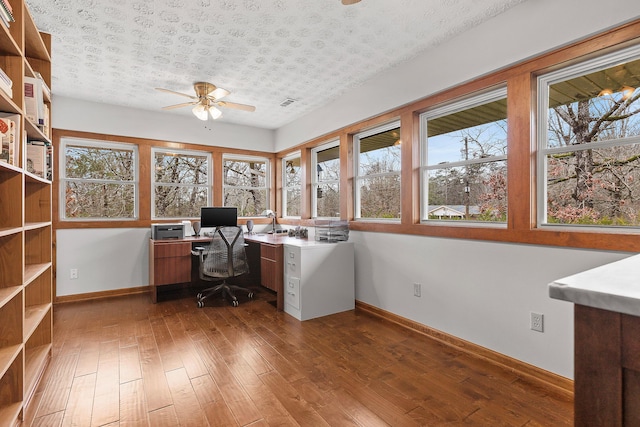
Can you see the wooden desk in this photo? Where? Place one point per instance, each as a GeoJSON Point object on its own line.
{"type": "Point", "coordinates": [170, 262]}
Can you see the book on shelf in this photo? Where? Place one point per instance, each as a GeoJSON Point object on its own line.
{"type": "Point", "coordinates": [37, 158]}
{"type": "Point", "coordinates": [49, 174]}
{"type": "Point", "coordinates": [33, 100]}
{"type": "Point", "coordinates": [6, 12]}
{"type": "Point", "coordinates": [45, 87]}
{"type": "Point", "coordinates": [9, 132]}
{"type": "Point", "coordinates": [6, 84]}
{"type": "Point", "coordinates": [7, 4]}
{"type": "Point", "coordinates": [46, 127]}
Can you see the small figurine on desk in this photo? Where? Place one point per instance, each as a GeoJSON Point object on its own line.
{"type": "Point", "coordinates": [299, 232]}
{"type": "Point", "coordinates": [250, 226]}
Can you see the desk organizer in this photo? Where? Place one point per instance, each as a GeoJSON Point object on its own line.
{"type": "Point", "coordinates": [332, 231]}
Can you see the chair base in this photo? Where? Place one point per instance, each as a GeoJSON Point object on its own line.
{"type": "Point", "coordinates": [226, 290]}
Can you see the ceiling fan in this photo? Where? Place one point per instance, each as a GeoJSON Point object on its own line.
{"type": "Point", "coordinates": [206, 101]}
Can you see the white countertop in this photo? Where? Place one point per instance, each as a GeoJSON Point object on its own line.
{"type": "Point", "coordinates": [614, 287]}
{"type": "Point", "coordinates": [284, 239]}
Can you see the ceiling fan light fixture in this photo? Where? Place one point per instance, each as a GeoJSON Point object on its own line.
{"type": "Point", "coordinates": [218, 93]}
{"type": "Point", "coordinates": [215, 113]}
{"type": "Point", "coordinates": [200, 111]}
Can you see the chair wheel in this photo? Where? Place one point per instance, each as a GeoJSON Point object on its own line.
{"type": "Point", "coordinates": [250, 295]}
{"type": "Point", "coordinates": [199, 296]}
{"type": "Point", "coordinates": [200, 304]}
{"type": "Point", "coordinates": [234, 302]}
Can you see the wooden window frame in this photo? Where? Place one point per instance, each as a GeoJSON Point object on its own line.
{"type": "Point", "coordinates": [154, 184]}
{"type": "Point", "coordinates": [95, 144]}
{"type": "Point", "coordinates": [521, 224]}
{"type": "Point", "coordinates": [315, 181]}
{"type": "Point", "coordinates": [286, 186]}
{"type": "Point", "coordinates": [247, 158]}
{"type": "Point", "coordinates": [144, 177]}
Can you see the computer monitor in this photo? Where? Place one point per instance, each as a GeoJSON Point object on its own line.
{"type": "Point", "coordinates": [218, 216]}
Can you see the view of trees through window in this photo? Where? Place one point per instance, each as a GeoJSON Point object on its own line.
{"type": "Point", "coordinates": [181, 184]}
{"type": "Point", "coordinates": [465, 167]}
{"type": "Point", "coordinates": [246, 185]}
{"type": "Point", "coordinates": [292, 176]}
{"type": "Point", "coordinates": [593, 148]}
{"type": "Point", "coordinates": [378, 180]}
{"type": "Point", "coordinates": [326, 183]}
{"type": "Point", "coordinates": [98, 181]}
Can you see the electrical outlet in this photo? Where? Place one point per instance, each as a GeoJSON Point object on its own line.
{"type": "Point", "coordinates": [73, 273]}
{"type": "Point", "coordinates": [417, 290]}
{"type": "Point", "coordinates": [537, 322]}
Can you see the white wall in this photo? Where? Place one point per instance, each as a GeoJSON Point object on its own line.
{"type": "Point", "coordinates": [479, 291]}
{"type": "Point", "coordinates": [482, 292]}
{"type": "Point", "coordinates": [106, 259]}
{"type": "Point", "coordinates": [79, 115]}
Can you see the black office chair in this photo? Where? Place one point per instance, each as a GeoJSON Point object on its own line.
{"type": "Point", "coordinates": [225, 257]}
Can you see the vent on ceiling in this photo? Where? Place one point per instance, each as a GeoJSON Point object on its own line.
{"type": "Point", "coordinates": [287, 102]}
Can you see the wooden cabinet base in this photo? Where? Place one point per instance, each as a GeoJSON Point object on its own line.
{"type": "Point", "coordinates": [607, 368]}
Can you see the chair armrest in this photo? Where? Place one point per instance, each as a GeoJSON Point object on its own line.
{"type": "Point", "coordinates": [198, 250]}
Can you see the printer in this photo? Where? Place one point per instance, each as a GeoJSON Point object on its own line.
{"type": "Point", "coordinates": [167, 231]}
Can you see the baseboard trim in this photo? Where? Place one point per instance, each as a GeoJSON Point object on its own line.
{"type": "Point", "coordinates": [546, 379]}
{"type": "Point", "coordinates": [102, 294]}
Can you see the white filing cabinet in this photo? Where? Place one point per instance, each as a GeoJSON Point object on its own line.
{"type": "Point", "coordinates": [318, 279]}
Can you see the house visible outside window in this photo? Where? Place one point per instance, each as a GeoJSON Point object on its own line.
{"type": "Point", "coordinates": [325, 181]}
{"type": "Point", "coordinates": [464, 160]}
{"type": "Point", "coordinates": [589, 143]}
{"type": "Point", "coordinates": [291, 185]}
{"type": "Point", "coordinates": [181, 183]}
{"type": "Point", "coordinates": [246, 184]}
{"type": "Point", "coordinates": [98, 180]}
{"type": "Point", "coordinates": [377, 178]}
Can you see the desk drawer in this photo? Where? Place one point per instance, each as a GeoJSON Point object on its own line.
{"type": "Point", "coordinates": [171, 250]}
{"type": "Point", "coordinates": [269, 251]}
{"type": "Point", "coordinates": [292, 292]}
{"type": "Point", "coordinates": [292, 261]}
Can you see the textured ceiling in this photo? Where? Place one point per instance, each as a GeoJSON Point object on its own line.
{"type": "Point", "coordinates": [262, 51]}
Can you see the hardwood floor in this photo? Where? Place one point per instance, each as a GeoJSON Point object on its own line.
{"type": "Point", "coordinates": [126, 362]}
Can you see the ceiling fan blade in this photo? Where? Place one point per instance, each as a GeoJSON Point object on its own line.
{"type": "Point", "coordinates": [185, 104]}
{"type": "Point", "coordinates": [219, 93]}
{"type": "Point", "coordinates": [176, 93]}
{"type": "Point", "coordinates": [243, 107]}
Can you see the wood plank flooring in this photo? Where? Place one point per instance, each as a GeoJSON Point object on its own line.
{"type": "Point", "coordinates": [126, 362]}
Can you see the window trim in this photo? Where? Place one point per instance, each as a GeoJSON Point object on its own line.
{"type": "Point", "coordinates": [93, 143]}
{"type": "Point", "coordinates": [315, 183]}
{"type": "Point", "coordinates": [154, 151]}
{"type": "Point", "coordinates": [543, 82]}
{"type": "Point", "coordinates": [485, 96]}
{"type": "Point", "coordinates": [356, 170]}
{"type": "Point", "coordinates": [248, 158]}
{"type": "Point", "coordinates": [285, 184]}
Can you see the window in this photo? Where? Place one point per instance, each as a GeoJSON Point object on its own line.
{"type": "Point", "coordinates": [589, 143]}
{"type": "Point", "coordinates": [291, 185]}
{"type": "Point", "coordinates": [325, 182]}
{"type": "Point", "coordinates": [464, 160]}
{"type": "Point", "coordinates": [246, 184]}
{"type": "Point", "coordinates": [98, 180]}
{"type": "Point", "coordinates": [181, 184]}
{"type": "Point", "coordinates": [378, 166]}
